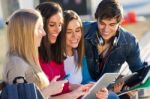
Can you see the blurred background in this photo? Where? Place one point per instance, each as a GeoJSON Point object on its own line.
{"type": "Point", "coordinates": [136, 20]}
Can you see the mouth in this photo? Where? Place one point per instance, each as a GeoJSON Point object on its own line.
{"type": "Point", "coordinates": [105, 33]}
{"type": "Point", "coordinates": [74, 41]}
{"type": "Point", "coordinates": [53, 36]}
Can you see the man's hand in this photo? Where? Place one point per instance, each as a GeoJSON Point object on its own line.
{"type": "Point", "coordinates": [102, 94]}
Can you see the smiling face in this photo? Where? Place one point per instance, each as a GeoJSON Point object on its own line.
{"type": "Point", "coordinates": [39, 32]}
{"type": "Point", "coordinates": [54, 27]}
{"type": "Point", "coordinates": [108, 28]}
{"type": "Point", "coordinates": [73, 34]}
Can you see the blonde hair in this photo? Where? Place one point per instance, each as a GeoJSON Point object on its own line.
{"type": "Point", "coordinates": [21, 40]}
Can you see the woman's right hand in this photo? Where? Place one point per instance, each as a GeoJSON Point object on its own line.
{"type": "Point", "coordinates": [55, 86]}
{"type": "Point", "coordinates": [80, 91]}
{"type": "Point", "coordinates": [77, 93]}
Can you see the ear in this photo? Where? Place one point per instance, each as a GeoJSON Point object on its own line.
{"type": "Point", "coordinates": [121, 22]}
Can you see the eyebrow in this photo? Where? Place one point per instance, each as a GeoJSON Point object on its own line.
{"type": "Point", "coordinates": [113, 23]}
{"type": "Point", "coordinates": [76, 28]}
{"type": "Point", "coordinates": [69, 29]}
{"type": "Point", "coordinates": [110, 23]}
{"type": "Point", "coordinates": [51, 22]}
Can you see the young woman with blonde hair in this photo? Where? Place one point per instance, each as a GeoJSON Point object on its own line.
{"type": "Point", "coordinates": [24, 34]}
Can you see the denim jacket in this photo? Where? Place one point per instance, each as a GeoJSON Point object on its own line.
{"type": "Point", "coordinates": [126, 50]}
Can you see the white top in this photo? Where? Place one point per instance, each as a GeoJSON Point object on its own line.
{"type": "Point", "coordinates": [71, 68]}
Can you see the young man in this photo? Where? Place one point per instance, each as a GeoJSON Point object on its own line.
{"type": "Point", "coordinates": [107, 44]}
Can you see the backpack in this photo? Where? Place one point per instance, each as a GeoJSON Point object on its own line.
{"type": "Point", "coordinates": [23, 90]}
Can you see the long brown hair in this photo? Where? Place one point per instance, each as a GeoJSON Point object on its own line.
{"type": "Point", "coordinates": [68, 16]}
{"type": "Point", "coordinates": [49, 51]}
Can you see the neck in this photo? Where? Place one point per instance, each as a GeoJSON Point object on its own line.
{"type": "Point", "coordinates": [102, 48]}
{"type": "Point", "coordinates": [107, 41]}
{"type": "Point", "coordinates": [69, 52]}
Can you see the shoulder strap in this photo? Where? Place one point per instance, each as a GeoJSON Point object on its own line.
{"type": "Point", "coordinates": [2, 84]}
{"type": "Point", "coordinates": [18, 78]}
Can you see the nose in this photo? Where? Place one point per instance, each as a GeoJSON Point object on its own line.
{"type": "Point", "coordinates": [43, 33]}
{"type": "Point", "coordinates": [57, 29]}
{"type": "Point", "coordinates": [106, 28]}
{"type": "Point", "coordinates": [74, 34]}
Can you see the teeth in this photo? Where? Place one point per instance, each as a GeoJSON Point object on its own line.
{"type": "Point", "coordinates": [74, 41]}
{"type": "Point", "coordinates": [54, 35]}
{"type": "Point", "coordinates": [105, 33]}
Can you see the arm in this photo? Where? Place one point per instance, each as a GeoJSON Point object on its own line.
{"type": "Point", "coordinates": [55, 87]}
{"type": "Point", "coordinates": [72, 95]}
{"type": "Point", "coordinates": [80, 91]}
{"type": "Point", "coordinates": [85, 72]}
{"type": "Point", "coordinates": [74, 86]}
{"type": "Point", "coordinates": [133, 59]}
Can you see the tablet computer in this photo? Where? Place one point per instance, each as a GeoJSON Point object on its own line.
{"type": "Point", "coordinates": [104, 81]}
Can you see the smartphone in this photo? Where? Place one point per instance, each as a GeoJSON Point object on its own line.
{"type": "Point", "coordinates": [66, 77]}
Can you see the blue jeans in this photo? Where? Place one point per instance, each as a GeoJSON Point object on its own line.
{"type": "Point", "coordinates": [112, 95]}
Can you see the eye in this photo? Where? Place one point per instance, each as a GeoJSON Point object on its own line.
{"type": "Point", "coordinates": [68, 32]}
{"type": "Point", "coordinates": [113, 24]}
{"type": "Point", "coordinates": [78, 30]}
{"type": "Point", "coordinates": [101, 23]}
{"type": "Point", "coordinates": [60, 25]}
{"type": "Point", "coordinates": [51, 25]}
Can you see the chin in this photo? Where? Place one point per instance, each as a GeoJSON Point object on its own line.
{"type": "Point", "coordinates": [75, 46]}
{"type": "Point", "coordinates": [107, 38]}
{"type": "Point", "coordinates": [38, 45]}
{"type": "Point", "coordinates": [53, 42]}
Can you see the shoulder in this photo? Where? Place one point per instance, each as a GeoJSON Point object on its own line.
{"type": "Point", "coordinates": [15, 66]}
{"type": "Point", "coordinates": [126, 33]}
{"type": "Point", "coordinates": [128, 36]}
{"type": "Point", "coordinates": [88, 24]}
{"type": "Point", "coordinates": [17, 62]}
{"type": "Point", "coordinates": [89, 27]}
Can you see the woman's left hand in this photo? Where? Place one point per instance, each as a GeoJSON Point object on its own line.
{"type": "Point", "coordinates": [87, 87]}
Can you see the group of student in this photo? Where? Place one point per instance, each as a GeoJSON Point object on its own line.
{"type": "Point", "coordinates": [46, 44]}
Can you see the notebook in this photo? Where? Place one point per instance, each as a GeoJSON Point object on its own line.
{"type": "Point", "coordinates": [137, 80]}
{"type": "Point", "coordinates": [137, 77]}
